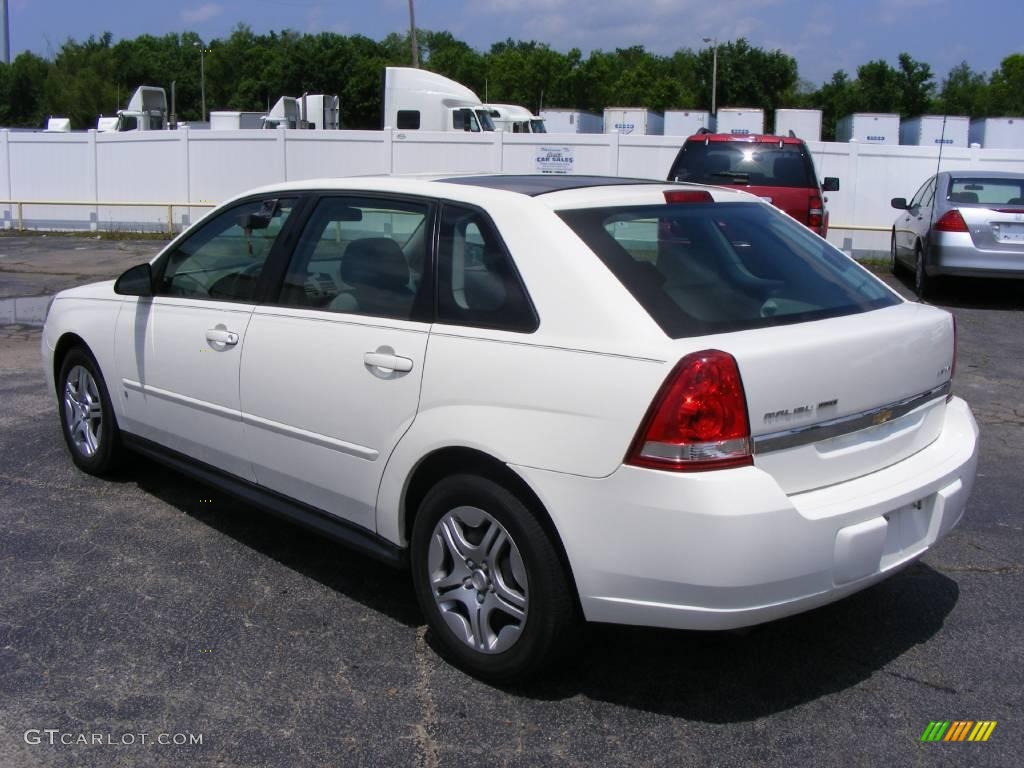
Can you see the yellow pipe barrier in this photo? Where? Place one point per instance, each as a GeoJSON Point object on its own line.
{"type": "Point", "coordinates": [20, 207]}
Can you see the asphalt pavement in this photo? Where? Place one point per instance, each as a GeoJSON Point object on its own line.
{"type": "Point", "coordinates": [147, 608]}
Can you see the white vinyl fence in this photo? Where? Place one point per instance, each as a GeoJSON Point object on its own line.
{"type": "Point", "coordinates": [193, 169]}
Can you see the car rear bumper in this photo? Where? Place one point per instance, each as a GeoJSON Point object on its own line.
{"type": "Point", "coordinates": [955, 254]}
{"type": "Point", "coordinates": [725, 549]}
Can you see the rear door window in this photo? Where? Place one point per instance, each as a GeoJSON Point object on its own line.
{"type": "Point", "coordinates": [745, 163]}
{"type": "Point", "coordinates": [709, 268]}
{"type": "Point", "coordinates": [361, 256]}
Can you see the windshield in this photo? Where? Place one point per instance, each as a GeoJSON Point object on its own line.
{"type": "Point", "coordinates": [537, 126]}
{"type": "Point", "coordinates": [708, 268]}
{"type": "Point", "coordinates": [1006, 191]}
{"type": "Point", "coordinates": [744, 163]}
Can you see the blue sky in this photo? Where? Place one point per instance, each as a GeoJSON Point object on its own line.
{"type": "Point", "coordinates": [822, 36]}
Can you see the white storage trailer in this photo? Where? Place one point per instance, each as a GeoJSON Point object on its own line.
{"type": "Point", "coordinates": [739, 121]}
{"type": "Point", "coordinates": [572, 121]}
{"type": "Point", "coordinates": [998, 132]}
{"type": "Point", "coordinates": [224, 120]}
{"type": "Point", "coordinates": [804, 123]}
{"type": "Point", "coordinates": [638, 120]}
{"type": "Point", "coordinates": [932, 130]}
{"type": "Point", "coordinates": [685, 122]}
{"type": "Point", "coordinates": [869, 128]}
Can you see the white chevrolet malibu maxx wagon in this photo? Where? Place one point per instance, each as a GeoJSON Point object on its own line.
{"type": "Point", "coordinates": [552, 397]}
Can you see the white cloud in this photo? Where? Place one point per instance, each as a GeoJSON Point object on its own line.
{"type": "Point", "coordinates": [203, 13]}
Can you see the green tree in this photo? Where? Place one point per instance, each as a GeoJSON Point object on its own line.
{"type": "Point", "coordinates": [964, 92]}
{"type": "Point", "coordinates": [916, 85]}
{"type": "Point", "coordinates": [1007, 87]}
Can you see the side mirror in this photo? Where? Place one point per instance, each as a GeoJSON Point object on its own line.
{"type": "Point", "coordinates": [830, 184]}
{"type": "Point", "coordinates": [899, 203]}
{"type": "Point", "coordinates": [137, 281]}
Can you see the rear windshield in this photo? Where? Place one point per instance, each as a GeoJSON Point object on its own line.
{"type": "Point", "coordinates": [744, 163]}
{"type": "Point", "coordinates": [986, 191]}
{"type": "Point", "coordinates": [709, 268]}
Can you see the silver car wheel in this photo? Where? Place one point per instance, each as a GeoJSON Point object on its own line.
{"type": "Point", "coordinates": [83, 411]}
{"type": "Point", "coordinates": [478, 580]}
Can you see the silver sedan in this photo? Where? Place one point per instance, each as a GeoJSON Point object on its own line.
{"type": "Point", "coordinates": [968, 223]}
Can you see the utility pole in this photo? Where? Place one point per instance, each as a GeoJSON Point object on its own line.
{"type": "Point", "coordinates": [5, 37]}
{"type": "Point", "coordinates": [412, 36]}
{"type": "Point", "coordinates": [714, 72]}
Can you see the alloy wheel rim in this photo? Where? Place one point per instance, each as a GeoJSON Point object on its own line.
{"type": "Point", "coordinates": [478, 580]}
{"type": "Point", "coordinates": [83, 411]}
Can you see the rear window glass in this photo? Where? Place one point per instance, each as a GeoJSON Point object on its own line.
{"type": "Point", "coordinates": [745, 163]}
{"type": "Point", "coordinates": [710, 268]}
{"type": "Point", "coordinates": [986, 191]}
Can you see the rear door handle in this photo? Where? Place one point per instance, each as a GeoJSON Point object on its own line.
{"type": "Point", "coordinates": [221, 336]}
{"type": "Point", "coordinates": [387, 362]}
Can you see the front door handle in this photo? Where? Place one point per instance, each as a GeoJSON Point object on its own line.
{"type": "Point", "coordinates": [387, 361]}
{"type": "Point", "coordinates": [222, 336]}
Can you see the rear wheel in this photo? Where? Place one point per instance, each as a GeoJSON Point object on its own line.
{"type": "Point", "coordinates": [489, 580]}
{"type": "Point", "coordinates": [86, 416]}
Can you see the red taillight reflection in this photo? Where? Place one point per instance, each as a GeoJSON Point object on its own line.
{"type": "Point", "coordinates": [688, 196]}
{"type": "Point", "coordinates": [698, 419]}
{"type": "Point", "coordinates": [951, 221]}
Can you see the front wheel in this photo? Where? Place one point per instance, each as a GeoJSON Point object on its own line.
{"type": "Point", "coordinates": [922, 283]}
{"type": "Point", "coordinates": [894, 263]}
{"type": "Point", "coordinates": [86, 416]}
{"type": "Point", "coordinates": [489, 580]}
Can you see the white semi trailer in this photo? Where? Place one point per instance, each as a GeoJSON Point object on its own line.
{"type": "Point", "coordinates": [739, 121]}
{"type": "Point", "coordinates": [635, 120]}
{"type": "Point", "coordinates": [998, 132]}
{"type": "Point", "coordinates": [418, 100]}
{"type": "Point", "coordinates": [804, 123]}
{"type": "Point", "coordinates": [932, 130]}
{"type": "Point", "coordinates": [686, 122]}
{"type": "Point", "coordinates": [572, 121]}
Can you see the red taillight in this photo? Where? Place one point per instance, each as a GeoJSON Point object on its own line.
{"type": "Point", "coordinates": [951, 221]}
{"type": "Point", "coordinates": [815, 212]}
{"type": "Point", "coordinates": [688, 196]}
{"type": "Point", "coordinates": [698, 419]}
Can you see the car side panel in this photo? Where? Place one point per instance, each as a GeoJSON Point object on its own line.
{"type": "Point", "coordinates": [546, 407]}
{"type": "Point", "coordinates": [91, 314]}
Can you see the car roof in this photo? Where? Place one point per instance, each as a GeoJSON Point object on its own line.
{"type": "Point", "coordinates": [554, 190]}
{"type": "Point", "coordinates": [980, 174]}
{"type": "Point", "coordinates": [749, 138]}
{"type": "Point", "coordinates": [542, 184]}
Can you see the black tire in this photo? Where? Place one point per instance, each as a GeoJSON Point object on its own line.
{"type": "Point", "coordinates": [551, 618]}
{"type": "Point", "coordinates": [894, 263]}
{"type": "Point", "coordinates": [106, 448]}
{"type": "Point", "coordinates": [922, 283]}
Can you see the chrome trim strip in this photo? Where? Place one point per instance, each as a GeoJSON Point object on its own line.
{"type": "Point", "coordinates": [844, 425]}
{"type": "Point", "coordinates": [315, 438]}
{"type": "Point", "coordinates": [191, 402]}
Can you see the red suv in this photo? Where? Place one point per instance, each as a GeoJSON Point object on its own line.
{"type": "Point", "coordinates": [776, 168]}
